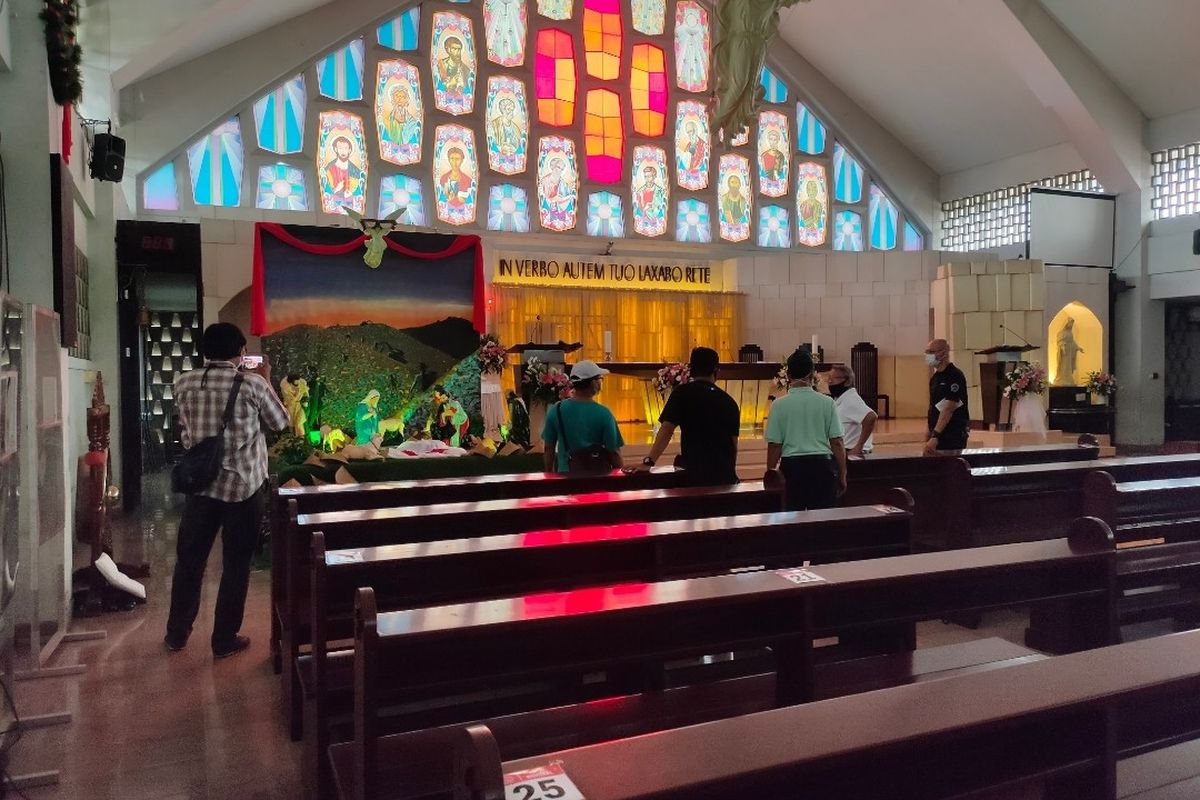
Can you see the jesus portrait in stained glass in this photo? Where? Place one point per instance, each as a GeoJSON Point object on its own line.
{"type": "Point", "coordinates": [504, 25]}
{"type": "Point", "coordinates": [691, 46]}
{"type": "Point", "coordinates": [342, 162]}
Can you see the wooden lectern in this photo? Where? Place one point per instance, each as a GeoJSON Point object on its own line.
{"type": "Point", "coordinates": [1000, 359]}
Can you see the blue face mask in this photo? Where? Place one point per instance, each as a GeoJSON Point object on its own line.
{"type": "Point", "coordinates": [931, 360]}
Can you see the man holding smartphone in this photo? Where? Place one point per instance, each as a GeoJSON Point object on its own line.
{"type": "Point", "coordinates": [234, 503]}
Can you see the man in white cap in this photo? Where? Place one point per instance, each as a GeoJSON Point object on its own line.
{"type": "Point", "coordinates": [580, 434]}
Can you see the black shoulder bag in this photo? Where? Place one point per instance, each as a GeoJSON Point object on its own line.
{"type": "Point", "coordinates": [594, 460]}
{"type": "Point", "coordinates": [200, 464]}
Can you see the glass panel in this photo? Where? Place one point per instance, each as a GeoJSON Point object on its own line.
{"type": "Point", "coordinates": [810, 132]}
{"type": "Point", "coordinates": [456, 170]}
{"type": "Point", "coordinates": [691, 46]}
{"type": "Point", "coordinates": [812, 204]}
{"type": "Point", "coordinates": [604, 136]}
{"type": "Point", "coordinates": [774, 228]}
{"type": "Point", "coordinates": [605, 216]}
{"type": "Point", "coordinates": [398, 112]}
{"type": "Point", "coordinates": [693, 223]}
{"type": "Point", "coordinates": [402, 32]}
{"type": "Point", "coordinates": [342, 162]}
{"type": "Point", "coordinates": [913, 240]}
{"type": "Point", "coordinates": [651, 190]}
{"type": "Point", "coordinates": [159, 191]}
{"type": "Point", "coordinates": [558, 183]}
{"type": "Point", "coordinates": [734, 200]}
{"type": "Point", "coordinates": [281, 187]}
{"type": "Point", "coordinates": [340, 74]}
{"type": "Point", "coordinates": [648, 87]}
{"type": "Point", "coordinates": [504, 23]}
{"type": "Point", "coordinates": [774, 90]}
{"type": "Point", "coordinates": [554, 77]}
{"type": "Point", "coordinates": [556, 9]}
{"type": "Point", "coordinates": [215, 165]}
{"type": "Point", "coordinates": [847, 176]}
{"type": "Point", "coordinates": [884, 220]}
{"type": "Point", "coordinates": [774, 147]}
{"type": "Point", "coordinates": [602, 38]}
{"type": "Point", "coordinates": [847, 231]}
{"type": "Point", "coordinates": [452, 55]}
{"type": "Point", "coordinates": [692, 145]}
{"type": "Point", "coordinates": [279, 118]}
{"type": "Point", "coordinates": [507, 125]}
{"type": "Point", "coordinates": [508, 209]}
{"type": "Point", "coordinates": [404, 194]}
{"type": "Point", "coordinates": [649, 16]}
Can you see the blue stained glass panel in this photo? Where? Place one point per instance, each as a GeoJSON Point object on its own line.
{"type": "Point", "coordinates": [884, 220]}
{"type": "Point", "coordinates": [693, 222]}
{"type": "Point", "coordinates": [215, 166]}
{"type": "Point", "coordinates": [847, 176]}
{"type": "Point", "coordinates": [810, 131]}
{"type": "Point", "coordinates": [398, 192]}
{"type": "Point", "coordinates": [279, 118]}
{"type": "Point", "coordinates": [913, 240]}
{"type": "Point", "coordinates": [605, 217]}
{"type": "Point", "coordinates": [508, 209]}
{"type": "Point", "coordinates": [159, 191]}
{"type": "Point", "coordinates": [340, 74]}
{"type": "Point", "coordinates": [847, 231]}
{"type": "Point", "coordinates": [774, 227]}
{"type": "Point", "coordinates": [401, 33]}
{"type": "Point", "coordinates": [775, 89]}
{"type": "Point", "coordinates": [281, 187]}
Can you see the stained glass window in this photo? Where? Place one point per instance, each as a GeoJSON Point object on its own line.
{"type": "Point", "coordinates": [810, 132]}
{"type": "Point", "coordinates": [651, 190]}
{"type": "Point", "coordinates": [554, 77]}
{"type": "Point", "coordinates": [884, 220]}
{"type": "Point", "coordinates": [734, 200]}
{"type": "Point", "coordinates": [215, 164]}
{"type": "Point", "coordinates": [402, 32]}
{"type": "Point", "coordinates": [648, 87]}
{"type": "Point", "coordinates": [342, 162]}
{"type": "Point", "coordinates": [281, 187]}
{"type": "Point", "coordinates": [508, 209]}
{"type": "Point", "coordinates": [456, 173]}
{"type": "Point", "coordinates": [692, 145]}
{"type": "Point", "coordinates": [739, 140]}
{"type": "Point", "coordinates": [556, 9]}
{"type": "Point", "coordinates": [159, 191]}
{"type": "Point", "coordinates": [504, 22]}
{"type": "Point", "coordinates": [847, 176]}
{"type": "Point", "coordinates": [558, 183]}
{"type": "Point", "coordinates": [774, 90]}
{"type": "Point", "coordinates": [812, 204]}
{"type": "Point", "coordinates": [774, 228]}
{"type": "Point", "coordinates": [774, 149]}
{"type": "Point", "coordinates": [913, 240]}
{"type": "Point", "coordinates": [279, 118]}
{"type": "Point", "coordinates": [649, 16]}
{"type": "Point", "coordinates": [691, 46]}
{"type": "Point", "coordinates": [398, 111]}
{"type": "Point", "coordinates": [693, 223]}
{"type": "Point", "coordinates": [507, 122]}
{"type": "Point", "coordinates": [603, 136]}
{"type": "Point", "coordinates": [452, 59]}
{"type": "Point", "coordinates": [404, 194]}
{"type": "Point", "coordinates": [847, 231]}
{"type": "Point", "coordinates": [602, 38]}
{"type": "Point", "coordinates": [340, 74]}
{"type": "Point", "coordinates": [605, 217]}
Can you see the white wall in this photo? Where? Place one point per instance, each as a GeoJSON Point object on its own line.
{"type": "Point", "coordinates": [1010, 171]}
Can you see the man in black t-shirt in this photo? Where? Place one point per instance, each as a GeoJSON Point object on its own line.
{"type": "Point", "coordinates": [949, 419]}
{"type": "Point", "coordinates": [709, 419]}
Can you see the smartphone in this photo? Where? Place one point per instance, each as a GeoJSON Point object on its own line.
{"type": "Point", "coordinates": [251, 362]}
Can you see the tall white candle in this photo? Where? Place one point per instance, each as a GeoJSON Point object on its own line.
{"type": "Point", "coordinates": [608, 344]}
{"type": "Point", "coordinates": [814, 346]}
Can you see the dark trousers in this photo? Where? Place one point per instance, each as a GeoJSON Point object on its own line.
{"type": "Point", "coordinates": [953, 439]}
{"type": "Point", "coordinates": [809, 482]}
{"type": "Point", "coordinates": [240, 524]}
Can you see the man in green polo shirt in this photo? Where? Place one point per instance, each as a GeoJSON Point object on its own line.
{"type": "Point", "coordinates": [803, 429]}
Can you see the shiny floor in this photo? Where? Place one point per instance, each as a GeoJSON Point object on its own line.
{"type": "Point", "coordinates": [151, 724]}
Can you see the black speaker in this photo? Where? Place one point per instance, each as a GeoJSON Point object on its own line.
{"type": "Point", "coordinates": [108, 158]}
{"type": "Point", "coordinates": [1196, 242]}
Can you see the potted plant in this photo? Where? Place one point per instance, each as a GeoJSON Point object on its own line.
{"type": "Point", "coordinates": [670, 376]}
{"type": "Point", "coordinates": [1101, 386]}
{"type": "Point", "coordinates": [1023, 387]}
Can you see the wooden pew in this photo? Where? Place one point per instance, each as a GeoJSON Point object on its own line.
{"type": "Point", "coordinates": [542, 642]}
{"type": "Point", "coordinates": [1062, 725]}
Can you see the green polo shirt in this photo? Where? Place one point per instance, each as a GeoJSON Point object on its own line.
{"type": "Point", "coordinates": [803, 421]}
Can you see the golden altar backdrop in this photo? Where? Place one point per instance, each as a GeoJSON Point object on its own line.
{"type": "Point", "coordinates": [660, 326]}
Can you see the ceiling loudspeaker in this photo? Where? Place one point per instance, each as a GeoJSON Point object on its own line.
{"type": "Point", "coordinates": [108, 158]}
{"type": "Point", "coordinates": [1196, 242]}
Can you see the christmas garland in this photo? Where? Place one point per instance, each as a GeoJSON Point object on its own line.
{"type": "Point", "coordinates": [63, 54]}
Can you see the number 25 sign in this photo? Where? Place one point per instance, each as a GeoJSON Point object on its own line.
{"type": "Point", "coordinates": [540, 783]}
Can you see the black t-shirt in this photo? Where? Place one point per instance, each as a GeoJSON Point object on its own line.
{"type": "Point", "coordinates": [709, 420]}
{"type": "Point", "coordinates": [949, 384]}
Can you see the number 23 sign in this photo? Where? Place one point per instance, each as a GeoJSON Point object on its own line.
{"type": "Point", "coordinates": [540, 783]}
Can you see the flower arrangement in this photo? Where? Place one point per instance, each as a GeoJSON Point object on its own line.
{"type": "Point", "coordinates": [492, 354]}
{"type": "Point", "coordinates": [545, 383]}
{"type": "Point", "coordinates": [1027, 378]}
{"type": "Point", "coordinates": [670, 376]}
{"type": "Point", "coordinates": [1101, 384]}
{"type": "Point", "coordinates": [781, 379]}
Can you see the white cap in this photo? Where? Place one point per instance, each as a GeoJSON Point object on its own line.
{"type": "Point", "coordinates": [586, 370]}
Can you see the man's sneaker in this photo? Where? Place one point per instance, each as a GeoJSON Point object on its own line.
{"type": "Point", "coordinates": [238, 644]}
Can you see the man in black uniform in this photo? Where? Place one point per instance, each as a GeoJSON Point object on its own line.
{"type": "Point", "coordinates": [949, 420]}
{"type": "Point", "coordinates": [710, 420]}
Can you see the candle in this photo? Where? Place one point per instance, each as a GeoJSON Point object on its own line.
{"type": "Point", "coordinates": [814, 346]}
{"type": "Point", "coordinates": [608, 348]}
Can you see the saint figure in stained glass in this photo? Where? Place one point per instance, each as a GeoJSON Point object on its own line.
{"type": "Point", "coordinates": [773, 147]}
{"type": "Point", "coordinates": [734, 202]}
{"type": "Point", "coordinates": [558, 183]}
{"type": "Point", "coordinates": [691, 46]}
{"type": "Point", "coordinates": [555, 9]}
{"type": "Point", "coordinates": [453, 54]}
{"type": "Point", "coordinates": [648, 16]}
{"type": "Point", "coordinates": [342, 162]}
{"type": "Point", "coordinates": [812, 204]}
{"type": "Point", "coordinates": [504, 23]}
{"type": "Point", "coordinates": [507, 125]}
{"type": "Point", "coordinates": [456, 174]}
{"type": "Point", "coordinates": [650, 191]}
{"type": "Point", "coordinates": [398, 112]}
{"type": "Point", "coordinates": [691, 145]}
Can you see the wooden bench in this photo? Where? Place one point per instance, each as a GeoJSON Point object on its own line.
{"type": "Point", "coordinates": [1059, 728]}
{"type": "Point", "coordinates": [537, 652]}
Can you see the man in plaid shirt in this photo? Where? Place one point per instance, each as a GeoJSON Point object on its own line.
{"type": "Point", "coordinates": [235, 502]}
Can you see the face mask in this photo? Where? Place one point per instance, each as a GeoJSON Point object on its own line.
{"type": "Point", "coordinates": [931, 360]}
{"type": "Point", "coordinates": [836, 390]}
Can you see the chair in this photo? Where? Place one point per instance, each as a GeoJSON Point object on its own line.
{"type": "Point", "coordinates": [864, 360]}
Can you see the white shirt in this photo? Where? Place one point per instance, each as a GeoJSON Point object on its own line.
{"type": "Point", "coordinates": [852, 410]}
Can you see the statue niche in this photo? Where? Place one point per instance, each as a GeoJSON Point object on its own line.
{"type": "Point", "coordinates": [1075, 344]}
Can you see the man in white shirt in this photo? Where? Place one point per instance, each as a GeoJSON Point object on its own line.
{"type": "Point", "coordinates": [858, 419]}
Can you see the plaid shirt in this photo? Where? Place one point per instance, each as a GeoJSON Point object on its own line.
{"type": "Point", "coordinates": [201, 395]}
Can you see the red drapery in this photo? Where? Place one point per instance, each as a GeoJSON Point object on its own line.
{"type": "Point", "coordinates": [258, 303]}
